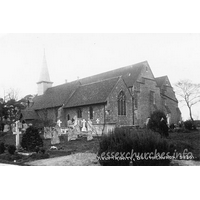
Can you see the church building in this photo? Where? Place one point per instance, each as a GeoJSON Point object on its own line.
{"type": "Point", "coordinates": [122, 97]}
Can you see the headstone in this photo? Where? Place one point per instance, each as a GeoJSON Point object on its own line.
{"type": "Point", "coordinates": [55, 139]}
{"type": "Point", "coordinates": [97, 121]}
{"type": "Point", "coordinates": [25, 126]}
{"type": "Point", "coordinates": [89, 136]}
{"type": "Point", "coordinates": [47, 133]}
{"type": "Point", "coordinates": [6, 128]}
{"type": "Point", "coordinates": [168, 119]}
{"type": "Point", "coordinates": [147, 122]}
{"type": "Point", "coordinates": [69, 123]}
{"type": "Point", "coordinates": [72, 135]}
{"type": "Point", "coordinates": [53, 148]}
{"type": "Point", "coordinates": [84, 128]}
{"type": "Point", "coordinates": [64, 130]}
{"type": "Point", "coordinates": [58, 129]}
{"type": "Point", "coordinates": [59, 122]}
{"type": "Point", "coordinates": [91, 128]}
{"type": "Point", "coordinates": [17, 133]}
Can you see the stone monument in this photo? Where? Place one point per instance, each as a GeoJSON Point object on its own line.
{"type": "Point", "coordinates": [17, 133]}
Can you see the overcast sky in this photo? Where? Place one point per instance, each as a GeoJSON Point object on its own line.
{"type": "Point", "coordinates": [80, 55]}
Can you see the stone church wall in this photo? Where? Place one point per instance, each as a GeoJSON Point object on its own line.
{"type": "Point", "coordinates": [112, 106]}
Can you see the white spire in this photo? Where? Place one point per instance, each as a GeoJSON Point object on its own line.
{"type": "Point", "coordinates": [44, 75]}
{"type": "Point", "coordinates": [44, 81]}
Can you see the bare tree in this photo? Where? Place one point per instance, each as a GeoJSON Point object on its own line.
{"type": "Point", "coordinates": [12, 93]}
{"type": "Point", "coordinates": [189, 93]}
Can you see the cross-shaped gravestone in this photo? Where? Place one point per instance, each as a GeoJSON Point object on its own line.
{"type": "Point", "coordinates": [97, 121]}
{"type": "Point", "coordinates": [84, 128]}
{"type": "Point", "coordinates": [17, 133]}
{"type": "Point", "coordinates": [59, 122]}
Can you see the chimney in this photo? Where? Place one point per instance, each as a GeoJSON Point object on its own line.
{"type": "Point", "coordinates": [65, 80]}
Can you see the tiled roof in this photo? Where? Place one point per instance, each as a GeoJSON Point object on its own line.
{"type": "Point", "coordinates": [163, 80]}
{"type": "Point", "coordinates": [59, 95]}
{"type": "Point", "coordinates": [128, 73]}
{"type": "Point", "coordinates": [55, 96]}
{"type": "Point", "coordinates": [29, 114]}
{"type": "Point", "coordinates": [92, 93]}
{"type": "Point", "coordinates": [160, 80]}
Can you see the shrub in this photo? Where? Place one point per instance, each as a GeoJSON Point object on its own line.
{"type": "Point", "coordinates": [11, 149]}
{"type": "Point", "coordinates": [158, 123]}
{"type": "Point", "coordinates": [37, 149]}
{"type": "Point", "coordinates": [138, 142]}
{"type": "Point", "coordinates": [189, 125]}
{"type": "Point", "coordinates": [38, 156]}
{"type": "Point", "coordinates": [2, 148]}
{"type": "Point", "coordinates": [31, 139]}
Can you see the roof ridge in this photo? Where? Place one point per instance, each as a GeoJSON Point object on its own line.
{"type": "Point", "coordinates": [116, 77]}
{"type": "Point", "coordinates": [161, 77]}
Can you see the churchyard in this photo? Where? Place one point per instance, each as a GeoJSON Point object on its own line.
{"type": "Point", "coordinates": [58, 142]}
{"type": "Point", "coordinates": [63, 148]}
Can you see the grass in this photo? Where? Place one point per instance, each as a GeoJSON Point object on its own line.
{"type": "Point", "coordinates": [189, 140]}
{"type": "Point", "coordinates": [65, 148]}
{"type": "Point", "coordinates": [181, 141]}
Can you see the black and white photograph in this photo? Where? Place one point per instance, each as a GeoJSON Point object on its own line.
{"type": "Point", "coordinates": [100, 99]}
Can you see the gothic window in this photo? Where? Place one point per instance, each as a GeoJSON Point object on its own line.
{"type": "Point", "coordinates": [79, 113]}
{"type": "Point", "coordinates": [68, 117]}
{"type": "Point", "coordinates": [121, 103]}
{"type": "Point", "coordinates": [91, 112]}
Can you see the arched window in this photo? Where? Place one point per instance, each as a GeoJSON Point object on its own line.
{"type": "Point", "coordinates": [121, 103]}
{"type": "Point", "coordinates": [68, 117]}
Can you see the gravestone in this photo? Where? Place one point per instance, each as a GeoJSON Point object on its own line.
{"type": "Point", "coordinates": [6, 128]}
{"type": "Point", "coordinates": [89, 136]}
{"type": "Point", "coordinates": [84, 128]}
{"type": "Point", "coordinates": [55, 138]}
{"type": "Point", "coordinates": [91, 130]}
{"type": "Point", "coordinates": [59, 122]}
{"type": "Point", "coordinates": [64, 130]}
{"type": "Point", "coordinates": [168, 119]}
{"type": "Point", "coordinates": [58, 129]}
{"type": "Point", "coordinates": [17, 133]}
{"type": "Point", "coordinates": [24, 126]}
{"type": "Point", "coordinates": [47, 132]}
{"type": "Point", "coordinates": [97, 121]}
{"type": "Point", "coordinates": [72, 135]}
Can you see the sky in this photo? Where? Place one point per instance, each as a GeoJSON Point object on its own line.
{"type": "Point", "coordinates": [71, 56]}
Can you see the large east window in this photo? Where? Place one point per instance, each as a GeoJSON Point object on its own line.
{"type": "Point", "coordinates": [121, 103]}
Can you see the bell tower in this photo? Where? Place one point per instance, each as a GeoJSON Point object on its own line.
{"type": "Point", "coordinates": [44, 81]}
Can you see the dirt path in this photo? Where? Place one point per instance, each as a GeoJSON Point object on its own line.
{"type": "Point", "coordinates": [89, 159]}
{"type": "Point", "coordinates": [185, 163]}
{"type": "Point", "coordinates": [78, 159]}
